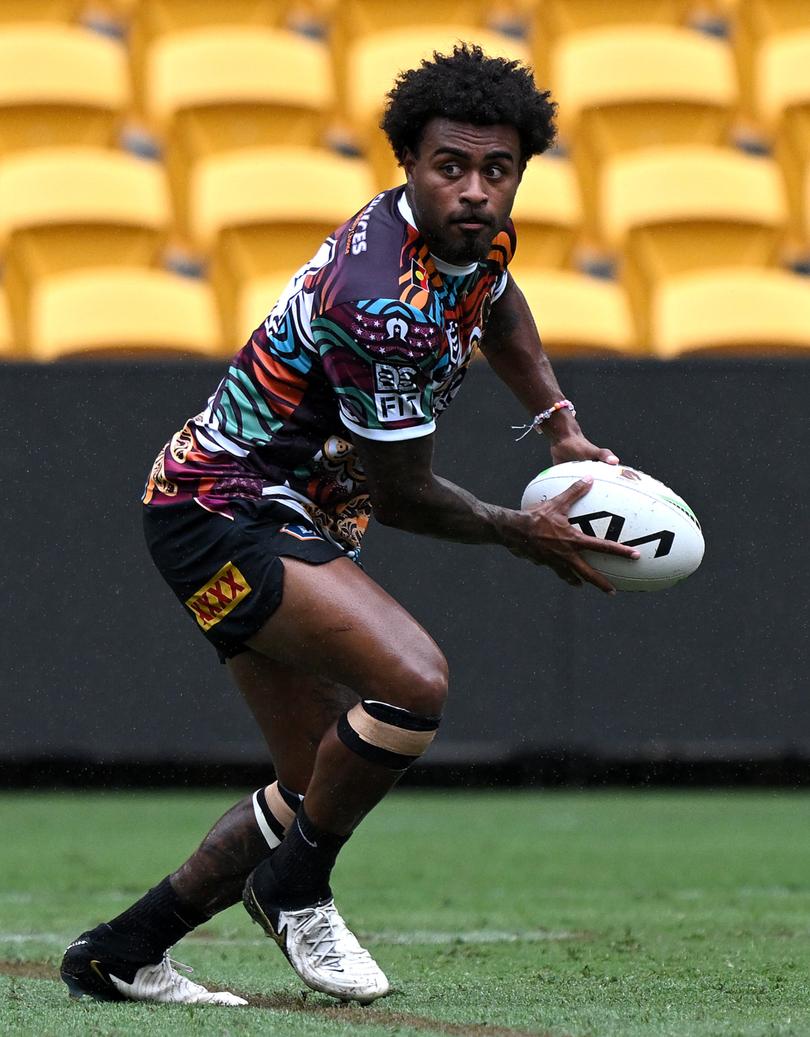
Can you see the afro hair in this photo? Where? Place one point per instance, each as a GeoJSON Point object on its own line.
{"type": "Point", "coordinates": [467, 86]}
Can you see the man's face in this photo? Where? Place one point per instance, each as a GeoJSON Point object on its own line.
{"type": "Point", "coordinates": [461, 186]}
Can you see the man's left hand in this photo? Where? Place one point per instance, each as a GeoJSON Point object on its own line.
{"type": "Point", "coordinates": [576, 447]}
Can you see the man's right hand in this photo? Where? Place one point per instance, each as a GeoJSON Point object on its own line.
{"type": "Point", "coordinates": [543, 535]}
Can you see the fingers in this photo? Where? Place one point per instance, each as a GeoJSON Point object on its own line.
{"type": "Point", "coordinates": [575, 492]}
{"type": "Point", "coordinates": [608, 547]}
{"type": "Point", "coordinates": [607, 456]}
{"type": "Point", "coordinates": [589, 575]}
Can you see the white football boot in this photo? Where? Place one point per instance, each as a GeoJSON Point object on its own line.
{"type": "Point", "coordinates": [107, 966]}
{"type": "Point", "coordinates": [322, 950]}
{"type": "Point", "coordinates": [164, 984]}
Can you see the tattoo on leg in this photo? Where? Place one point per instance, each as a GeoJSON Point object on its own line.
{"type": "Point", "coordinates": [214, 875]}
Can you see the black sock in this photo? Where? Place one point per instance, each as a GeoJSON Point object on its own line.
{"type": "Point", "coordinates": [157, 921]}
{"type": "Point", "coordinates": [297, 875]}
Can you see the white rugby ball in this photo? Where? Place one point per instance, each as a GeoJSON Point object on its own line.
{"type": "Point", "coordinates": [629, 507]}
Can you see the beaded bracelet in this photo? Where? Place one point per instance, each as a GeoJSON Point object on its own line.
{"type": "Point", "coordinates": [544, 415]}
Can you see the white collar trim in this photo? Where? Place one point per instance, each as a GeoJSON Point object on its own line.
{"type": "Point", "coordinates": [444, 268]}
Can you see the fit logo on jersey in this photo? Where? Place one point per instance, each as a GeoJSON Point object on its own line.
{"type": "Point", "coordinates": [219, 596]}
{"type": "Point", "coordinates": [393, 406]}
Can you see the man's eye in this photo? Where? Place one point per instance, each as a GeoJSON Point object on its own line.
{"type": "Point", "coordinates": [451, 169]}
{"type": "Point", "coordinates": [495, 172]}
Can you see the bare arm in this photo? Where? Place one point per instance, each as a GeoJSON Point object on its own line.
{"type": "Point", "coordinates": [515, 353]}
{"type": "Point", "coordinates": [407, 494]}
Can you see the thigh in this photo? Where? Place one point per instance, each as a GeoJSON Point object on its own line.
{"type": "Point", "coordinates": [336, 622]}
{"type": "Point", "coordinates": [293, 709]}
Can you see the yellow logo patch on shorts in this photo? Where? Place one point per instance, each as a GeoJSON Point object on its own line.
{"type": "Point", "coordinates": [219, 596]}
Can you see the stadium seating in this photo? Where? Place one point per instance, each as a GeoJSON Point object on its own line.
{"type": "Point", "coordinates": [353, 20]}
{"type": "Point", "coordinates": [59, 85]}
{"type": "Point", "coordinates": [756, 22]}
{"type": "Point", "coordinates": [547, 214]}
{"type": "Point", "coordinates": [40, 10]}
{"type": "Point", "coordinates": [628, 87]}
{"type": "Point", "coordinates": [217, 89]}
{"type": "Point", "coordinates": [374, 62]}
{"type": "Point", "coordinates": [554, 19]}
{"type": "Point", "coordinates": [63, 208]}
{"type": "Point", "coordinates": [151, 19]}
{"type": "Point", "coordinates": [783, 103]}
{"type": "Point", "coordinates": [576, 314]}
{"type": "Point", "coordinates": [733, 309]}
{"type": "Point", "coordinates": [268, 210]}
{"type": "Point", "coordinates": [120, 311]}
{"type": "Point", "coordinates": [671, 210]}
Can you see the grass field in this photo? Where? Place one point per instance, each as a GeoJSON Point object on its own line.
{"type": "Point", "coordinates": [612, 914]}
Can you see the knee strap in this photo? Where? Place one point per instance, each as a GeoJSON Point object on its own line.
{"type": "Point", "coordinates": [274, 809]}
{"type": "Point", "coordinates": [386, 735]}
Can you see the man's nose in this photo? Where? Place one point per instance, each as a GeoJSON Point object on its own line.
{"type": "Point", "coordinates": [474, 190]}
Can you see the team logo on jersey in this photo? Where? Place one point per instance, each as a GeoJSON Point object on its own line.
{"type": "Point", "coordinates": [219, 596]}
{"type": "Point", "coordinates": [389, 378]}
{"type": "Point", "coordinates": [397, 328]}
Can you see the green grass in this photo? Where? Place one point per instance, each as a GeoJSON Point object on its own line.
{"type": "Point", "coordinates": [614, 914]}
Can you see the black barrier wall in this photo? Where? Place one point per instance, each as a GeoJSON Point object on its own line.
{"type": "Point", "coordinates": [101, 664]}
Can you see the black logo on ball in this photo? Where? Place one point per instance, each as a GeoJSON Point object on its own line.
{"type": "Point", "coordinates": [665, 537]}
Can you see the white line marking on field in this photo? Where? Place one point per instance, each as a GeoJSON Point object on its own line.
{"type": "Point", "coordinates": [416, 938]}
{"type": "Point", "coordinates": [428, 937]}
{"type": "Point", "coordinates": [58, 938]}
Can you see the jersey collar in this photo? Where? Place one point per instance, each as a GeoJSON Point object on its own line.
{"type": "Point", "coordinates": [406, 213]}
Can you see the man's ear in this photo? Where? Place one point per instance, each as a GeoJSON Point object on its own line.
{"type": "Point", "coordinates": [408, 161]}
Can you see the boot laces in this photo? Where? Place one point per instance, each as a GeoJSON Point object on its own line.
{"type": "Point", "coordinates": [173, 979]}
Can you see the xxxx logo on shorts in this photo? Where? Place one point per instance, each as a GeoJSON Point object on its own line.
{"type": "Point", "coordinates": [219, 596]}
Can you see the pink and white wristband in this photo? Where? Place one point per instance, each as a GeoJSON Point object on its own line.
{"type": "Point", "coordinates": [538, 420]}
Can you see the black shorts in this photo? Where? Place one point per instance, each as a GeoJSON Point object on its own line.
{"type": "Point", "coordinates": [227, 572]}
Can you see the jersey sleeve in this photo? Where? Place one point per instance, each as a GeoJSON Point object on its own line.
{"type": "Point", "coordinates": [379, 357]}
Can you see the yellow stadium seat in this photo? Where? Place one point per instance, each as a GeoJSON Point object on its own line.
{"type": "Point", "coordinates": [783, 104]}
{"type": "Point", "coordinates": [554, 19]}
{"type": "Point", "coordinates": [159, 17]}
{"type": "Point", "coordinates": [374, 63]}
{"type": "Point", "coordinates": [734, 309]}
{"type": "Point", "coordinates": [121, 311]}
{"type": "Point", "coordinates": [755, 22]}
{"type": "Point", "coordinates": [151, 19]}
{"type": "Point", "coordinates": [63, 208]}
{"type": "Point", "coordinates": [671, 210]}
{"type": "Point", "coordinates": [217, 89]}
{"type": "Point", "coordinates": [353, 20]}
{"type": "Point", "coordinates": [59, 84]}
{"type": "Point", "coordinates": [547, 214]}
{"type": "Point", "coordinates": [268, 210]}
{"type": "Point", "coordinates": [576, 314]}
{"type": "Point", "coordinates": [40, 10]}
{"type": "Point", "coordinates": [639, 86]}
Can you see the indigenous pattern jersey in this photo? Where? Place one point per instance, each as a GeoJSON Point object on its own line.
{"type": "Point", "coordinates": [372, 337]}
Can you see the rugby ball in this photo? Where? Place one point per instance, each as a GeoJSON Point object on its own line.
{"type": "Point", "coordinates": [632, 508]}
